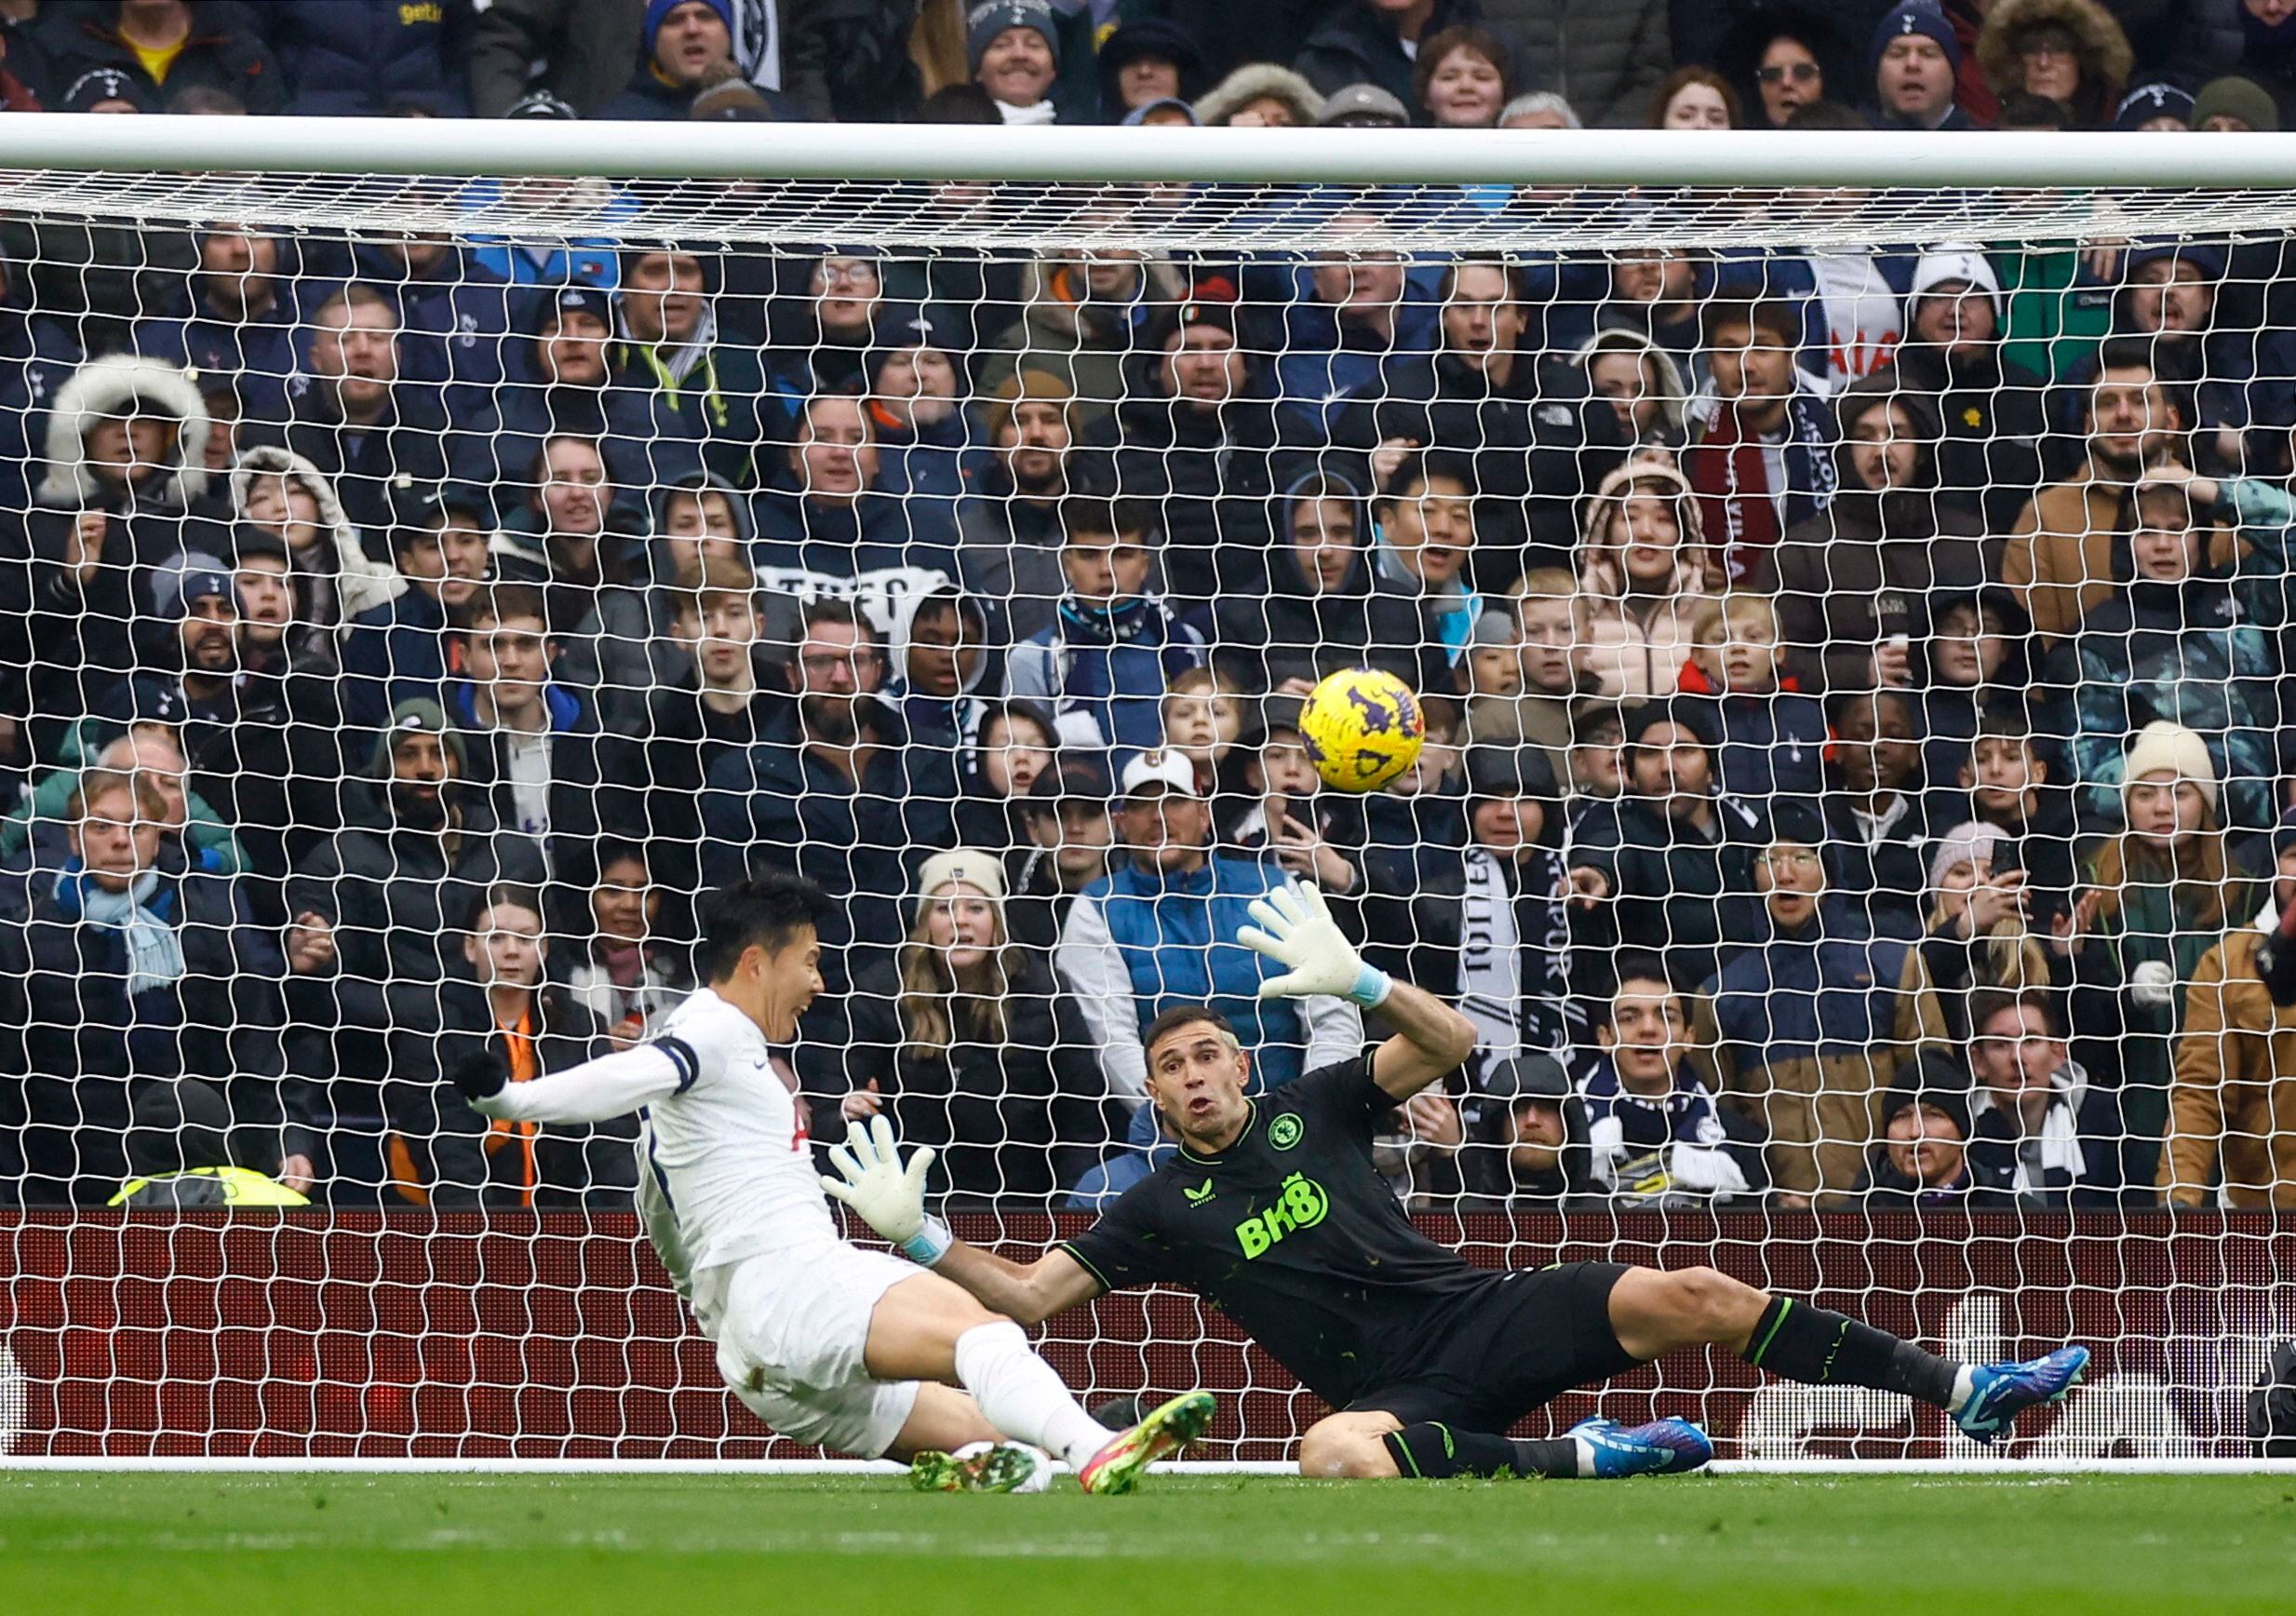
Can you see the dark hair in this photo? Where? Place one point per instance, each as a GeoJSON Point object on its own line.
{"type": "Point", "coordinates": [959, 103]}
{"type": "Point", "coordinates": [1640, 966]}
{"type": "Point", "coordinates": [501, 602]}
{"type": "Point", "coordinates": [1461, 36]}
{"type": "Point", "coordinates": [1086, 513]}
{"type": "Point", "coordinates": [1422, 467]}
{"type": "Point", "coordinates": [830, 609]}
{"type": "Point", "coordinates": [1180, 1015]}
{"type": "Point", "coordinates": [2023, 110]}
{"type": "Point", "coordinates": [1757, 315]}
{"type": "Point", "coordinates": [1826, 117]}
{"type": "Point", "coordinates": [1448, 284]}
{"type": "Point", "coordinates": [516, 893]}
{"type": "Point", "coordinates": [1636, 720]}
{"type": "Point", "coordinates": [1987, 1003]}
{"type": "Point", "coordinates": [2127, 352]}
{"type": "Point", "coordinates": [765, 911]}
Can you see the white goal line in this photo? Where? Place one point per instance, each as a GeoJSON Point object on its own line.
{"type": "Point", "coordinates": [2008, 1469]}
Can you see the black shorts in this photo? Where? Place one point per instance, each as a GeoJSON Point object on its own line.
{"type": "Point", "coordinates": [1519, 1343]}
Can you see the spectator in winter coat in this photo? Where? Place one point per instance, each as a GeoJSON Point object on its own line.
{"type": "Point", "coordinates": [943, 655]}
{"type": "Point", "coordinates": [443, 1154]}
{"type": "Point", "coordinates": [629, 973]}
{"type": "Point", "coordinates": [1911, 65]}
{"type": "Point", "coordinates": [1144, 60]}
{"type": "Point", "coordinates": [1013, 48]}
{"type": "Point", "coordinates": [1423, 525]}
{"type": "Point", "coordinates": [398, 651]}
{"type": "Point", "coordinates": [1191, 439]}
{"type": "Point", "coordinates": [699, 384]}
{"type": "Point", "coordinates": [1990, 407]}
{"type": "Point", "coordinates": [1012, 527]}
{"type": "Point", "coordinates": [685, 48]}
{"type": "Point", "coordinates": [1346, 327]}
{"type": "Point", "coordinates": [164, 47]}
{"type": "Point", "coordinates": [1674, 855]}
{"type": "Point", "coordinates": [574, 538]}
{"type": "Point", "coordinates": [1489, 927]}
{"type": "Point", "coordinates": [1160, 931]}
{"type": "Point", "coordinates": [1977, 937]}
{"type": "Point", "coordinates": [929, 456]}
{"type": "Point", "coordinates": [1374, 42]}
{"type": "Point", "coordinates": [1012, 747]}
{"type": "Point", "coordinates": [2071, 51]}
{"type": "Point", "coordinates": [1607, 60]}
{"type": "Point", "coordinates": [965, 1041]}
{"type": "Point", "coordinates": [563, 380]}
{"type": "Point", "coordinates": [1655, 1135]}
{"type": "Point", "coordinates": [2041, 1135]}
{"type": "Point", "coordinates": [1855, 581]}
{"type": "Point", "coordinates": [1773, 736]}
{"type": "Point", "coordinates": [1261, 95]}
{"type": "Point", "coordinates": [172, 1057]}
{"type": "Point", "coordinates": [2230, 1143]}
{"type": "Point", "coordinates": [1646, 570]}
{"type": "Point", "coordinates": [1922, 1164]}
{"type": "Point", "coordinates": [1065, 814]}
{"type": "Point", "coordinates": [1104, 666]}
{"type": "Point", "coordinates": [1089, 318]}
{"type": "Point", "coordinates": [836, 790]}
{"type": "Point", "coordinates": [2059, 557]}
{"type": "Point", "coordinates": [585, 48]}
{"type": "Point", "coordinates": [374, 58]}
{"type": "Point", "coordinates": [1321, 611]}
{"type": "Point", "coordinates": [1761, 458]}
{"type": "Point", "coordinates": [1642, 383]}
{"type": "Point", "coordinates": [1808, 1030]}
{"type": "Point", "coordinates": [1876, 814]}
{"type": "Point", "coordinates": [2180, 641]}
{"type": "Point", "coordinates": [457, 316]}
{"type": "Point", "coordinates": [276, 492]}
{"type": "Point", "coordinates": [241, 324]}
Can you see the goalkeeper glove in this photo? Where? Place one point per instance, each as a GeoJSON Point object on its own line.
{"type": "Point", "coordinates": [1295, 930]}
{"type": "Point", "coordinates": [886, 1196]}
{"type": "Point", "coordinates": [482, 1074]}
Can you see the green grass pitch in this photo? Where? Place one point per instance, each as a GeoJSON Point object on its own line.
{"type": "Point", "coordinates": [493, 1545]}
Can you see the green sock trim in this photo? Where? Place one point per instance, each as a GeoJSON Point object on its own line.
{"type": "Point", "coordinates": [1401, 1450]}
{"type": "Point", "coordinates": [1785, 1306]}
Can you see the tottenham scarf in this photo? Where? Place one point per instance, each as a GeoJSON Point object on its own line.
{"type": "Point", "coordinates": [1490, 959]}
{"type": "Point", "coordinates": [155, 954]}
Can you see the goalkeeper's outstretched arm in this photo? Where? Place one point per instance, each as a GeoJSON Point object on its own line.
{"type": "Point", "coordinates": [1297, 931]}
{"type": "Point", "coordinates": [890, 1198]}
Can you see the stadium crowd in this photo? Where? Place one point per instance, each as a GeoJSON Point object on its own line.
{"type": "Point", "coordinates": [1856, 770]}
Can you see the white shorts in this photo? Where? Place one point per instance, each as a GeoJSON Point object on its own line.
{"type": "Point", "coordinates": [792, 1339]}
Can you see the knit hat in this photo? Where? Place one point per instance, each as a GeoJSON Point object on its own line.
{"type": "Point", "coordinates": [540, 103]}
{"type": "Point", "coordinates": [984, 21]}
{"type": "Point", "coordinates": [1916, 17]}
{"type": "Point", "coordinates": [1958, 260]}
{"type": "Point", "coordinates": [2148, 101]}
{"type": "Point", "coordinates": [416, 715]}
{"type": "Point", "coordinates": [977, 869]}
{"type": "Point", "coordinates": [553, 308]}
{"type": "Point", "coordinates": [1964, 843]}
{"type": "Point", "coordinates": [657, 10]}
{"type": "Point", "coordinates": [2206, 257]}
{"type": "Point", "coordinates": [104, 84]}
{"type": "Point", "coordinates": [1363, 106]}
{"type": "Point", "coordinates": [1139, 116]}
{"type": "Point", "coordinates": [2234, 96]}
{"type": "Point", "coordinates": [2165, 746]}
{"type": "Point", "coordinates": [186, 577]}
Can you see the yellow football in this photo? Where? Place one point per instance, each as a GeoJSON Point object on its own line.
{"type": "Point", "coordinates": [1362, 727]}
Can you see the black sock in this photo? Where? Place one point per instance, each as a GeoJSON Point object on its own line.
{"type": "Point", "coordinates": [1802, 1343]}
{"type": "Point", "coordinates": [1429, 1452]}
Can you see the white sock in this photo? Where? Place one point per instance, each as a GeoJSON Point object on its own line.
{"type": "Point", "coordinates": [1020, 1395]}
{"type": "Point", "coordinates": [1965, 1384]}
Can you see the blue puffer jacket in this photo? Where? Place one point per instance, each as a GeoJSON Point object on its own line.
{"type": "Point", "coordinates": [367, 57]}
{"type": "Point", "coordinates": [1177, 935]}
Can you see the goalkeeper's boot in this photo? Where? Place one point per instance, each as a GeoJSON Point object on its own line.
{"type": "Point", "coordinates": [982, 1467]}
{"type": "Point", "coordinates": [1661, 1447]}
{"type": "Point", "coordinates": [2001, 1392]}
{"type": "Point", "coordinates": [1119, 1466]}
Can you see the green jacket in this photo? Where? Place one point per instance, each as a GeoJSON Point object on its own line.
{"type": "Point", "coordinates": [51, 799]}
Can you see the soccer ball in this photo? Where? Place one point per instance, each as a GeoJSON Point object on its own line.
{"type": "Point", "coordinates": [1362, 727]}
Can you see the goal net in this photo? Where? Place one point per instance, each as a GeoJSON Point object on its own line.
{"type": "Point", "coordinates": [1848, 592]}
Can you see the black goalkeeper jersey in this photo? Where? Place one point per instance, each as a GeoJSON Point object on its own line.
{"type": "Point", "coordinates": [1292, 1233]}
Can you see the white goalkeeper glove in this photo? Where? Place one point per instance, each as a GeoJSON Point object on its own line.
{"type": "Point", "coordinates": [1297, 932]}
{"type": "Point", "coordinates": [888, 1197]}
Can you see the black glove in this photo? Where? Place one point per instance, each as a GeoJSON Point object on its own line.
{"type": "Point", "coordinates": [482, 1074]}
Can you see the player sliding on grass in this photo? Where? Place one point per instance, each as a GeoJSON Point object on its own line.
{"type": "Point", "coordinates": [1273, 1212]}
{"type": "Point", "coordinates": [827, 1344]}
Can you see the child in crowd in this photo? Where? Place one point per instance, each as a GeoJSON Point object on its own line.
{"type": "Point", "coordinates": [1773, 736]}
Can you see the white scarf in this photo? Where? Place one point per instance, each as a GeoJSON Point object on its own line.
{"type": "Point", "coordinates": [1490, 958]}
{"type": "Point", "coordinates": [155, 954]}
{"type": "Point", "coordinates": [2059, 1142]}
{"type": "Point", "coordinates": [1042, 112]}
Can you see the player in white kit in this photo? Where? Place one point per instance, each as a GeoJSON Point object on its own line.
{"type": "Point", "coordinates": [827, 1343]}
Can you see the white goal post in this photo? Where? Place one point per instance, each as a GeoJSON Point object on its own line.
{"type": "Point", "coordinates": [396, 1322]}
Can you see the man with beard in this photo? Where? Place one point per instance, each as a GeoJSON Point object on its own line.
{"type": "Point", "coordinates": [1528, 424]}
{"type": "Point", "coordinates": [1853, 582]}
{"type": "Point", "coordinates": [834, 791]}
{"type": "Point", "coordinates": [1011, 531]}
{"type": "Point", "coordinates": [358, 417]}
{"type": "Point", "coordinates": [1992, 408]}
{"type": "Point", "coordinates": [1759, 461]}
{"type": "Point", "coordinates": [260, 736]}
{"type": "Point", "coordinates": [399, 648]}
{"type": "Point", "coordinates": [1194, 441]}
{"type": "Point", "coordinates": [388, 893]}
{"type": "Point", "coordinates": [242, 323]}
{"type": "Point", "coordinates": [2060, 559]}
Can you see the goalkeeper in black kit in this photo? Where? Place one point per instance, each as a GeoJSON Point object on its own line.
{"type": "Point", "coordinates": [1273, 1212]}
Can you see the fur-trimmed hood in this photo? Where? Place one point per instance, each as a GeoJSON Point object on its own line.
{"type": "Point", "coordinates": [1256, 79]}
{"type": "Point", "coordinates": [362, 582]}
{"type": "Point", "coordinates": [103, 388]}
{"type": "Point", "coordinates": [2105, 55]}
{"type": "Point", "coordinates": [1673, 392]}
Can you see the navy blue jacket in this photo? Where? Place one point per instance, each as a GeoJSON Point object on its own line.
{"type": "Point", "coordinates": [369, 57]}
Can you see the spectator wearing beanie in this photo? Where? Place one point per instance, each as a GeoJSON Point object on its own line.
{"type": "Point", "coordinates": [2233, 105]}
{"type": "Point", "coordinates": [1013, 47]}
{"type": "Point", "coordinates": [687, 47]}
{"type": "Point", "coordinates": [1145, 63]}
{"type": "Point", "coordinates": [1911, 61]}
{"type": "Point", "coordinates": [2154, 109]}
